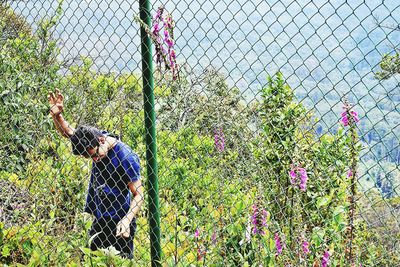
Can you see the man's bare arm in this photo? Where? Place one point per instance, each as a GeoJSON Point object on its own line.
{"type": "Point", "coordinates": [63, 126]}
{"type": "Point", "coordinates": [136, 203]}
{"type": "Point", "coordinates": [56, 101]}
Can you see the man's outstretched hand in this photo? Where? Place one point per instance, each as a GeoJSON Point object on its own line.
{"type": "Point", "coordinates": [56, 101]}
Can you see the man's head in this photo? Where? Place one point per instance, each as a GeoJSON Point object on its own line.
{"type": "Point", "coordinates": [89, 142]}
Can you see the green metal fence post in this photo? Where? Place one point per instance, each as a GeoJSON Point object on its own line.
{"type": "Point", "coordinates": [151, 144]}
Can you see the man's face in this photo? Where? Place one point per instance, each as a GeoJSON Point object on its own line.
{"type": "Point", "coordinates": [99, 152]}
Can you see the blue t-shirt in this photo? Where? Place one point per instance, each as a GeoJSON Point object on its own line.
{"type": "Point", "coordinates": [108, 193]}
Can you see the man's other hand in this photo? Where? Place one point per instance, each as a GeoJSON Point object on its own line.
{"type": "Point", "coordinates": [123, 228]}
{"type": "Point", "coordinates": [56, 101]}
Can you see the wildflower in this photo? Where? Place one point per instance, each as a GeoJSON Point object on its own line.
{"type": "Point", "coordinates": [219, 140]}
{"type": "Point", "coordinates": [214, 237]}
{"type": "Point", "coordinates": [156, 28]}
{"type": "Point", "coordinates": [169, 23]}
{"type": "Point", "coordinates": [158, 15]}
{"type": "Point", "coordinates": [294, 174]}
{"type": "Point", "coordinates": [163, 55]}
{"type": "Point", "coordinates": [325, 259]}
{"type": "Point", "coordinates": [167, 39]}
{"type": "Point", "coordinates": [303, 179]}
{"type": "Point", "coordinates": [355, 116]}
{"type": "Point", "coordinates": [169, 42]}
{"type": "Point", "coordinates": [346, 118]}
{"type": "Point", "coordinates": [172, 57]}
{"type": "Point", "coordinates": [278, 244]}
{"type": "Point", "coordinates": [201, 253]}
{"type": "Point", "coordinates": [196, 233]}
{"type": "Point", "coordinates": [259, 220]}
{"type": "Point", "coordinates": [306, 249]}
{"type": "Point", "coordinates": [349, 173]}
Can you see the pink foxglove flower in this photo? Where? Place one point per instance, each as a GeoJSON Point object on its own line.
{"type": "Point", "coordinates": [298, 176]}
{"type": "Point", "coordinates": [306, 248]}
{"type": "Point", "coordinates": [278, 244]}
{"type": "Point", "coordinates": [219, 140]}
{"type": "Point", "coordinates": [214, 237]}
{"type": "Point", "coordinates": [169, 22]}
{"type": "Point", "coordinates": [259, 220]}
{"type": "Point", "coordinates": [196, 233]}
{"type": "Point", "coordinates": [201, 253]}
{"type": "Point", "coordinates": [325, 259]}
{"type": "Point", "coordinates": [349, 173]}
{"type": "Point", "coordinates": [158, 15]}
{"type": "Point", "coordinates": [166, 56]}
{"type": "Point", "coordinates": [347, 116]}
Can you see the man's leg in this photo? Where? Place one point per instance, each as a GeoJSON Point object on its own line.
{"type": "Point", "coordinates": [101, 229]}
{"type": "Point", "coordinates": [107, 229]}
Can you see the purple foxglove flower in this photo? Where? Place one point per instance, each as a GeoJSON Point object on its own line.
{"type": "Point", "coordinates": [349, 173]}
{"type": "Point", "coordinates": [219, 140]}
{"type": "Point", "coordinates": [306, 249]}
{"type": "Point", "coordinates": [196, 233]}
{"type": "Point", "coordinates": [156, 28]}
{"type": "Point", "coordinates": [201, 253]}
{"type": "Point", "coordinates": [264, 218]}
{"type": "Point", "coordinates": [168, 22]}
{"type": "Point", "coordinates": [325, 259]}
{"type": "Point", "coordinates": [294, 174]}
{"type": "Point", "coordinates": [254, 219]}
{"type": "Point", "coordinates": [214, 237]}
{"type": "Point", "coordinates": [278, 244]}
{"type": "Point", "coordinates": [354, 114]}
{"type": "Point", "coordinates": [175, 72]}
{"type": "Point", "coordinates": [158, 57]}
{"type": "Point", "coordinates": [166, 34]}
{"type": "Point", "coordinates": [169, 42]}
{"type": "Point", "coordinates": [345, 120]}
{"type": "Point", "coordinates": [167, 39]}
{"type": "Point", "coordinates": [303, 179]}
{"type": "Point", "coordinates": [259, 220]}
{"type": "Point", "coordinates": [172, 58]}
{"type": "Point", "coordinates": [158, 15]}
{"type": "Point", "coordinates": [172, 54]}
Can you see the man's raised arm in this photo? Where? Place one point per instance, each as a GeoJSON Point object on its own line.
{"type": "Point", "coordinates": [56, 107]}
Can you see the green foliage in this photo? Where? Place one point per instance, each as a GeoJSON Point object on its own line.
{"type": "Point", "coordinates": [88, 92]}
{"type": "Point", "coordinates": [27, 71]}
{"type": "Point", "coordinates": [390, 65]}
{"type": "Point", "coordinates": [317, 215]}
{"type": "Point", "coordinates": [11, 24]}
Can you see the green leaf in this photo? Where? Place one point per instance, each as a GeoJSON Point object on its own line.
{"type": "Point", "coordinates": [239, 206]}
{"type": "Point", "coordinates": [85, 250]}
{"type": "Point", "coordinates": [318, 235]}
{"type": "Point", "coordinates": [5, 251]}
{"type": "Point", "coordinates": [323, 201]}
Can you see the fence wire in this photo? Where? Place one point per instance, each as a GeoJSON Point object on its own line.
{"type": "Point", "coordinates": [277, 133]}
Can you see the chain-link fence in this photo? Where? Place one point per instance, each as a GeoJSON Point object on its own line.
{"type": "Point", "coordinates": [277, 126]}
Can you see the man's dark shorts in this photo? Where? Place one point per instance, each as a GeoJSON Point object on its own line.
{"type": "Point", "coordinates": [107, 227]}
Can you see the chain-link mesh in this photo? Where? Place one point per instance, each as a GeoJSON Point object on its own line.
{"type": "Point", "coordinates": [277, 133]}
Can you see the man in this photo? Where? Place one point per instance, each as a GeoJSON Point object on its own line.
{"type": "Point", "coordinates": [115, 178]}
